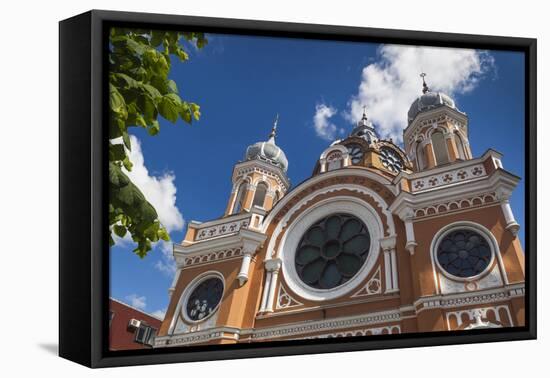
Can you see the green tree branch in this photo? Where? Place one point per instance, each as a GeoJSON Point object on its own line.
{"type": "Point", "coordinates": [140, 92]}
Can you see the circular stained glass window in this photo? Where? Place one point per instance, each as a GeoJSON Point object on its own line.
{"type": "Point", "coordinates": [332, 251]}
{"type": "Point", "coordinates": [204, 299]}
{"type": "Point", "coordinates": [464, 253]}
{"type": "Point", "coordinates": [391, 160]}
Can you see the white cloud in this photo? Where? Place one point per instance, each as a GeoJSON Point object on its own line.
{"type": "Point", "coordinates": [136, 301]}
{"type": "Point", "coordinates": [159, 314]}
{"type": "Point", "coordinates": [159, 191]}
{"type": "Point", "coordinates": [166, 263]}
{"type": "Point", "coordinates": [321, 121]}
{"type": "Point", "coordinates": [390, 85]}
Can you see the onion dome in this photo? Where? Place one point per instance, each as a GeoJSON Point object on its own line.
{"type": "Point", "coordinates": [429, 100]}
{"type": "Point", "coordinates": [365, 129]}
{"type": "Point", "coordinates": [268, 151]}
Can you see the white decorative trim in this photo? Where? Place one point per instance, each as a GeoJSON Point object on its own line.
{"type": "Point", "coordinates": [476, 314]}
{"type": "Point", "coordinates": [469, 298]}
{"type": "Point", "coordinates": [223, 254]}
{"type": "Point", "coordinates": [392, 329]}
{"type": "Point", "coordinates": [198, 337]}
{"type": "Point", "coordinates": [372, 287]}
{"type": "Point", "coordinates": [291, 238]}
{"type": "Point", "coordinates": [446, 207]}
{"type": "Point", "coordinates": [447, 178]}
{"type": "Point", "coordinates": [284, 300]}
{"type": "Point", "coordinates": [330, 324]}
{"type": "Point", "coordinates": [221, 229]}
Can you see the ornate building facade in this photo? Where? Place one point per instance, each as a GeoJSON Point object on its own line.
{"type": "Point", "coordinates": [379, 240]}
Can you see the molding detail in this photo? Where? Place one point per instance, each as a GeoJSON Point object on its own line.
{"type": "Point", "coordinates": [372, 287]}
{"type": "Point", "coordinates": [476, 316]}
{"type": "Point", "coordinates": [394, 329]}
{"type": "Point", "coordinates": [448, 177]}
{"type": "Point", "coordinates": [213, 256]}
{"type": "Point", "coordinates": [284, 300]}
{"type": "Point", "coordinates": [316, 326]}
{"type": "Point", "coordinates": [221, 229]}
{"type": "Point", "coordinates": [456, 205]}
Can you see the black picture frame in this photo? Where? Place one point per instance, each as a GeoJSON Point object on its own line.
{"type": "Point", "coordinates": [83, 249]}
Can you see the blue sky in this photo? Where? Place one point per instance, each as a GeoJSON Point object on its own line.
{"type": "Point", "coordinates": [242, 82]}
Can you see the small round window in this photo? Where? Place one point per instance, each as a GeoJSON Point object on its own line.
{"type": "Point", "coordinates": [204, 299]}
{"type": "Point", "coordinates": [332, 251]}
{"type": "Point", "coordinates": [464, 253]}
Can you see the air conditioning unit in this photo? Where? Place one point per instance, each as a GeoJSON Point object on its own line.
{"type": "Point", "coordinates": [134, 323]}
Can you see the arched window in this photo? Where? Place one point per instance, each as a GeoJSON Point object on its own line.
{"type": "Point", "coordinates": [420, 158]}
{"type": "Point", "coordinates": [239, 199]}
{"type": "Point", "coordinates": [334, 160]}
{"type": "Point", "coordinates": [440, 148]}
{"type": "Point", "coordinates": [259, 196]}
{"type": "Point", "coordinates": [460, 147]}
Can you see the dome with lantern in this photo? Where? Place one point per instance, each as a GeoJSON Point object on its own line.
{"type": "Point", "coordinates": [268, 151]}
{"type": "Point", "coordinates": [429, 100]}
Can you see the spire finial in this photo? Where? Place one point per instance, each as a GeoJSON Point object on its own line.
{"type": "Point", "coordinates": [274, 128]}
{"type": "Point", "coordinates": [364, 112]}
{"type": "Point", "coordinates": [424, 85]}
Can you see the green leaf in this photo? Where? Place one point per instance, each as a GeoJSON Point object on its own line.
{"type": "Point", "coordinates": [130, 82]}
{"type": "Point", "coordinates": [182, 55]}
{"type": "Point", "coordinates": [169, 106]}
{"type": "Point", "coordinates": [152, 91]}
{"type": "Point", "coordinates": [116, 102]}
{"type": "Point", "coordinates": [119, 230]}
{"type": "Point", "coordinates": [196, 110]}
{"type": "Point", "coordinates": [126, 140]}
{"type": "Point", "coordinates": [127, 163]}
{"type": "Point", "coordinates": [172, 87]}
{"type": "Point", "coordinates": [154, 129]}
{"type": "Point", "coordinates": [185, 112]}
{"type": "Point", "coordinates": [117, 152]}
{"type": "Point", "coordinates": [163, 234]}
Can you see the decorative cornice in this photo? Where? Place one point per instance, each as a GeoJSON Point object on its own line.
{"type": "Point", "coordinates": [316, 326]}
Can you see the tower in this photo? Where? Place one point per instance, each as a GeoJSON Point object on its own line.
{"type": "Point", "coordinates": [259, 180]}
{"type": "Point", "coordinates": [437, 131]}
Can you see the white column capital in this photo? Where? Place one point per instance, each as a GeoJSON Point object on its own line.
{"type": "Point", "coordinates": [388, 243]}
{"type": "Point", "coordinates": [273, 265]}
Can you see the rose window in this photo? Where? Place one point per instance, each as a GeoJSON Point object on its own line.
{"type": "Point", "coordinates": [464, 253]}
{"type": "Point", "coordinates": [332, 251]}
{"type": "Point", "coordinates": [391, 160]}
{"type": "Point", "coordinates": [204, 299]}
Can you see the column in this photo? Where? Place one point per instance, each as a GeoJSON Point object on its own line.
{"type": "Point", "coordinates": [245, 265]}
{"type": "Point", "coordinates": [429, 153]}
{"type": "Point", "coordinates": [390, 263]}
{"type": "Point", "coordinates": [272, 266]}
{"type": "Point", "coordinates": [511, 224]}
{"type": "Point", "coordinates": [503, 196]}
{"type": "Point", "coordinates": [409, 230]}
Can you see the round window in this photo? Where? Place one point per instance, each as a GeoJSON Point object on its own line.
{"type": "Point", "coordinates": [332, 251]}
{"type": "Point", "coordinates": [391, 160]}
{"type": "Point", "coordinates": [464, 253]}
{"type": "Point", "coordinates": [204, 299]}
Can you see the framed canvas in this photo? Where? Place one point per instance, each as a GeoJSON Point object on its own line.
{"type": "Point", "coordinates": [234, 188]}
